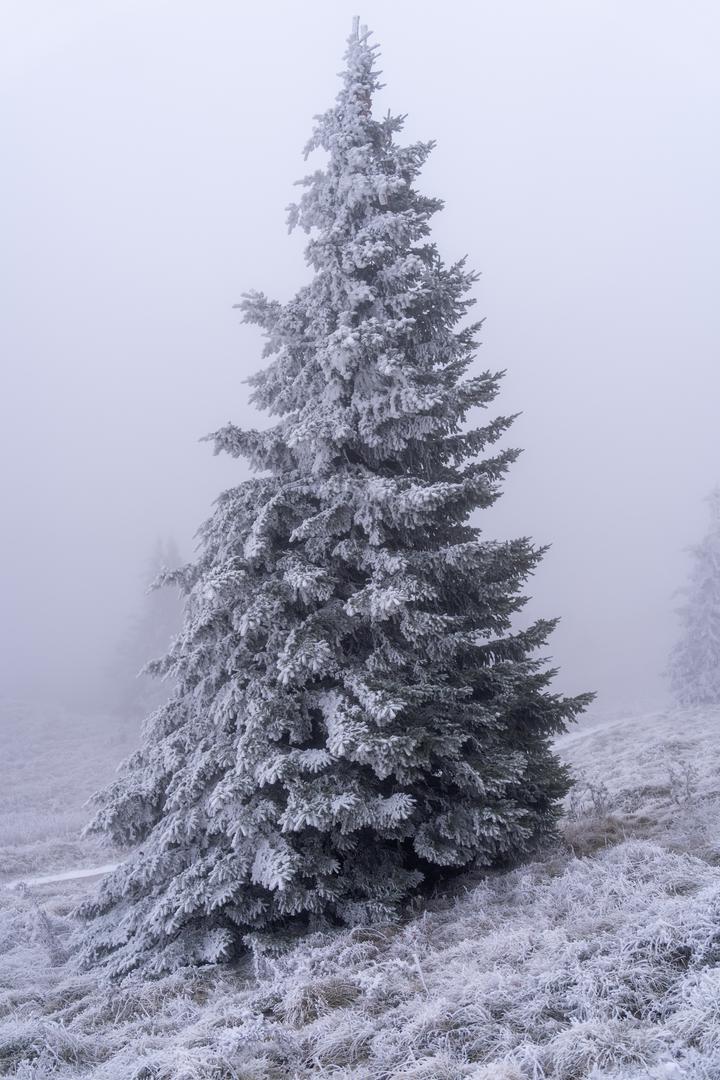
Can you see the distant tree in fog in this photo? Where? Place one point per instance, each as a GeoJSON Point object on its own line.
{"type": "Point", "coordinates": [134, 692]}
{"type": "Point", "coordinates": [694, 667]}
{"type": "Point", "coordinates": [354, 714]}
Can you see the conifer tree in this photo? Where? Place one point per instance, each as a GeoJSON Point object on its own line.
{"type": "Point", "coordinates": [354, 714]}
{"type": "Point", "coordinates": [132, 691]}
{"type": "Point", "coordinates": [694, 667]}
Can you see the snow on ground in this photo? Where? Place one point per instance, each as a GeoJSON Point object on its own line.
{"type": "Point", "coordinates": [600, 959]}
{"type": "Point", "coordinates": [66, 875]}
{"type": "Point", "coordinates": [52, 762]}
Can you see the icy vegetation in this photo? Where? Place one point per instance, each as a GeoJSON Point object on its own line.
{"type": "Point", "coordinates": [600, 959]}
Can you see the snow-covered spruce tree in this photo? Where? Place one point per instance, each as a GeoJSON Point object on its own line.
{"type": "Point", "coordinates": [353, 714]}
{"type": "Point", "coordinates": [133, 693]}
{"type": "Point", "coordinates": [694, 667]}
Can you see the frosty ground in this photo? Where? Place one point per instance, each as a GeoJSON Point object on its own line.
{"type": "Point", "coordinates": [600, 958]}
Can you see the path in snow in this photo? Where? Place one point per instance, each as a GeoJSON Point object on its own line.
{"type": "Point", "coordinates": [65, 875]}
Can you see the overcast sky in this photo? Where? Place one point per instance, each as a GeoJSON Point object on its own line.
{"type": "Point", "coordinates": [149, 151]}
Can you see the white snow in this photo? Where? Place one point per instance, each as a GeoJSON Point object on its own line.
{"type": "Point", "coordinates": [65, 875]}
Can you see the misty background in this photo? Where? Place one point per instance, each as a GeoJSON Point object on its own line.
{"type": "Point", "coordinates": [149, 151]}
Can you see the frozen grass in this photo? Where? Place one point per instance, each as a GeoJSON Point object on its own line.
{"type": "Point", "coordinates": [599, 960]}
{"type": "Point", "coordinates": [654, 776]}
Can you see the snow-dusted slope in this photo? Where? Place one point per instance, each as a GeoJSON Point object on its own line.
{"type": "Point", "coordinates": [655, 776]}
{"type": "Point", "coordinates": [600, 959]}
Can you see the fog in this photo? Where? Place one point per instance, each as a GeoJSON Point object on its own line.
{"type": "Point", "coordinates": [150, 149]}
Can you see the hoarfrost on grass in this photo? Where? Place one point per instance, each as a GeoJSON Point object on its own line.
{"type": "Point", "coordinates": [603, 966]}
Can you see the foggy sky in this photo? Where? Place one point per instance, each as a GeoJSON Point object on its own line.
{"type": "Point", "coordinates": [149, 151]}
